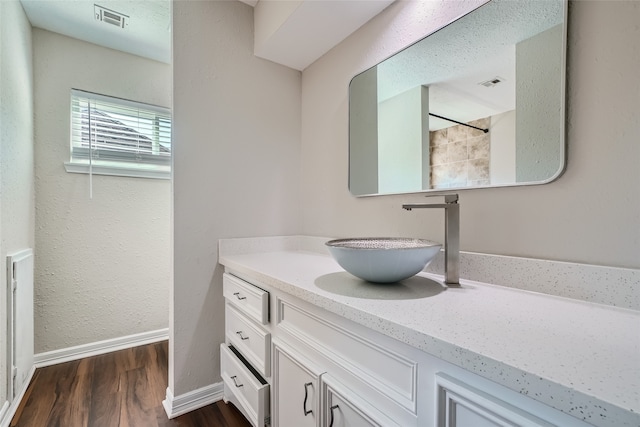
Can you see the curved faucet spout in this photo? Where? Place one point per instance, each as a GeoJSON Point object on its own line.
{"type": "Point", "coordinates": [451, 235]}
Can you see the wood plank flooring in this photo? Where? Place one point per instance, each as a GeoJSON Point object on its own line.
{"type": "Point", "coordinates": [119, 389]}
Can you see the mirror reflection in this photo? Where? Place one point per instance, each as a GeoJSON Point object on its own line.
{"type": "Point", "coordinates": [479, 103]}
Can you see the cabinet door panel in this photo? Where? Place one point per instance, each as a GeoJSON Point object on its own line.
{"type": "Point", "coordinates": [464, 416]}
{"type": "Point", "coordinates": [296, 387]}
{"type": "Point", "coordinates": [341, 413]}
{"type": "Point", "coordinates": [342, 407]}
{"type": "Point", "coordinates": [461, 405]}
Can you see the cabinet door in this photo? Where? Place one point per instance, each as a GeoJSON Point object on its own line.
{"type": "Point", "coordinates": [296, 390]}
{"type": "Point", "coordinates": [342, 407]}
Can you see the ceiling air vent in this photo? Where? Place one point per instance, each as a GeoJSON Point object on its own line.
{"type": "Point", "coordinates": [492, 82]}
{"type": "Point", "coordinates": [111, 16]}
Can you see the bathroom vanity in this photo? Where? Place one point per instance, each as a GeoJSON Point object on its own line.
{"type": "Point", "coordinates": [309, 345]}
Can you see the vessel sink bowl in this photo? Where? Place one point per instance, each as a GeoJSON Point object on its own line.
{"type": "Point", "coordinates": [384, 259]}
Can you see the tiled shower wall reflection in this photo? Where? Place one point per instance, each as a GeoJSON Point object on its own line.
{"type": "Point", "coordinates": [459, 155]}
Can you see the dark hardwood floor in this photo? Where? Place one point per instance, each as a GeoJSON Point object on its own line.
{"type": "Point", "coordinates": [119, 389]}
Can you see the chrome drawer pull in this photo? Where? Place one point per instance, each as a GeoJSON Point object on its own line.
{"type": "Point", "coordinates": [237, 294]}
{"type": "Point", "coordinates": [306, 395]}
{"type": "Point", "coordinates": [332, 408]}
{"type": "Point", "coordinates": [241, 337]}
{"type": "Point", "coordinates": [236, 382]}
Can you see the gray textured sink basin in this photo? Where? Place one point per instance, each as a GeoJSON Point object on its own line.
{"type": "Point", "coordinates": [383, 259]}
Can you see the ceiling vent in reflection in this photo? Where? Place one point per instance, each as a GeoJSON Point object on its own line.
{"type": "Point", "coordinates": [492, 82]}
{"type": "Point", "coordinates": [111, 16]}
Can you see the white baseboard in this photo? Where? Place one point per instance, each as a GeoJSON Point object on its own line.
{"type": "Point", "coordinates": [9, 409]}
{"type": "Point", "coordinates": [3, 414]}
{"type": "Point", "coordinates": [100, 347]}
{"type": "Point", "coordinates": [196, 399]}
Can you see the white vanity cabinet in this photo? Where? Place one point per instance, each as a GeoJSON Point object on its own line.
{"type": "Point", "coordinates": [274, 366]}
{"type": "Point", "coordinates": [308, 367]}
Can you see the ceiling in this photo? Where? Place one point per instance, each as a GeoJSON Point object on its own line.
{"type": "Point", "coordinates": [308, 30]}
{"type": "Point", "coordinates": [147, 30]}
{"type": "Point", "coordinates": [297, 32]}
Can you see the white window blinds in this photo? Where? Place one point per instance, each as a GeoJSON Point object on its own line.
{"type": "Point", "coordinates": [113, 131]}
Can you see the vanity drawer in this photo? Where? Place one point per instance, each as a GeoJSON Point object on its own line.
{"type": "Point", "coordinates": [247, 391]}
{"type": "Point", "coordinates": [253, 301]}
{"type": "Point", "coordinates": [248, 338]}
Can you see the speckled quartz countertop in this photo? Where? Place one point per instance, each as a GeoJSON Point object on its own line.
{"type": "Point", "coordinates": [579, 357]}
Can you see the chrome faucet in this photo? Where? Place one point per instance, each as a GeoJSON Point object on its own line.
{"type": "Point", "coordinates": [451, 235]}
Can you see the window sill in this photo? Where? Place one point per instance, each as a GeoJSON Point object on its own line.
{"type": "Point", "coordinates": [115, 169]}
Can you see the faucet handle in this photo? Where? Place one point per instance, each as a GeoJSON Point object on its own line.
{"type": "Point", "coordinates": [451, 198]}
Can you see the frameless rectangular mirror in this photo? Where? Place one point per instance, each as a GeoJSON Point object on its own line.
{"type": "Point", "coordinates": [479, 103]}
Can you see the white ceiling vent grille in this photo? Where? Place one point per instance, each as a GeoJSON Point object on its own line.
{"type": "Point", "coordinates": [111, 16]}
{"type": "Point", "coordinates": [492, 82]}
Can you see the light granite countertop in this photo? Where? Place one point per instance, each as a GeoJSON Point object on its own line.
{"type": "Point", "coordinates": [579, 357]}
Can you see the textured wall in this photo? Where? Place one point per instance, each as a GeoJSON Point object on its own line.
{"type": "Point", "coordinates": [236, 169]}
{"type": "Point", "coordinates": [103, 265]}
{"type": "Point", "coordinates": [17, 203]}
{"type": "Point", "coordinates": [591, 214]}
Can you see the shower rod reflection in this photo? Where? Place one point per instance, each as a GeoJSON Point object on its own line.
{"type": "Point", "coordinates": [460, 123]}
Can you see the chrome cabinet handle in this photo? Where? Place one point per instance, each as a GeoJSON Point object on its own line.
{"type": "Point", "coordinates": [241, 337]}
{"type": "Point", "coordinates": [332, 408]}
{"type": "Point", "coordinates": [237, 294]}
{"type": "Point", "coordinates": [306, 395]}
{"type": "Point", "coordinates": [236, 382]}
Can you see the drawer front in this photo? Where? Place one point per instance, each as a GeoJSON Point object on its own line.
{"type": "Point", "coordinates": [243, 388]}
{"type": "Point", "coordinates": [389, 373]}
{"type": "Point", "coordinates": [248, 338]}
{"type": "Point", "coordinates": [253, 301]}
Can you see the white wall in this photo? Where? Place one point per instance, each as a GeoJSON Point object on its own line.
{"type": "Point", "coordinates": [17, 194]}
{"type": "Point", "coordinates": [236, 169]}
{"type": "Point", "coordinates": [591, 214]}
{"type": "Point", "coordinates": [103, 264]}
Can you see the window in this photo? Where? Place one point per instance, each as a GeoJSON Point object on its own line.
{"type": "Point", "coordinates": [112, 136]}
